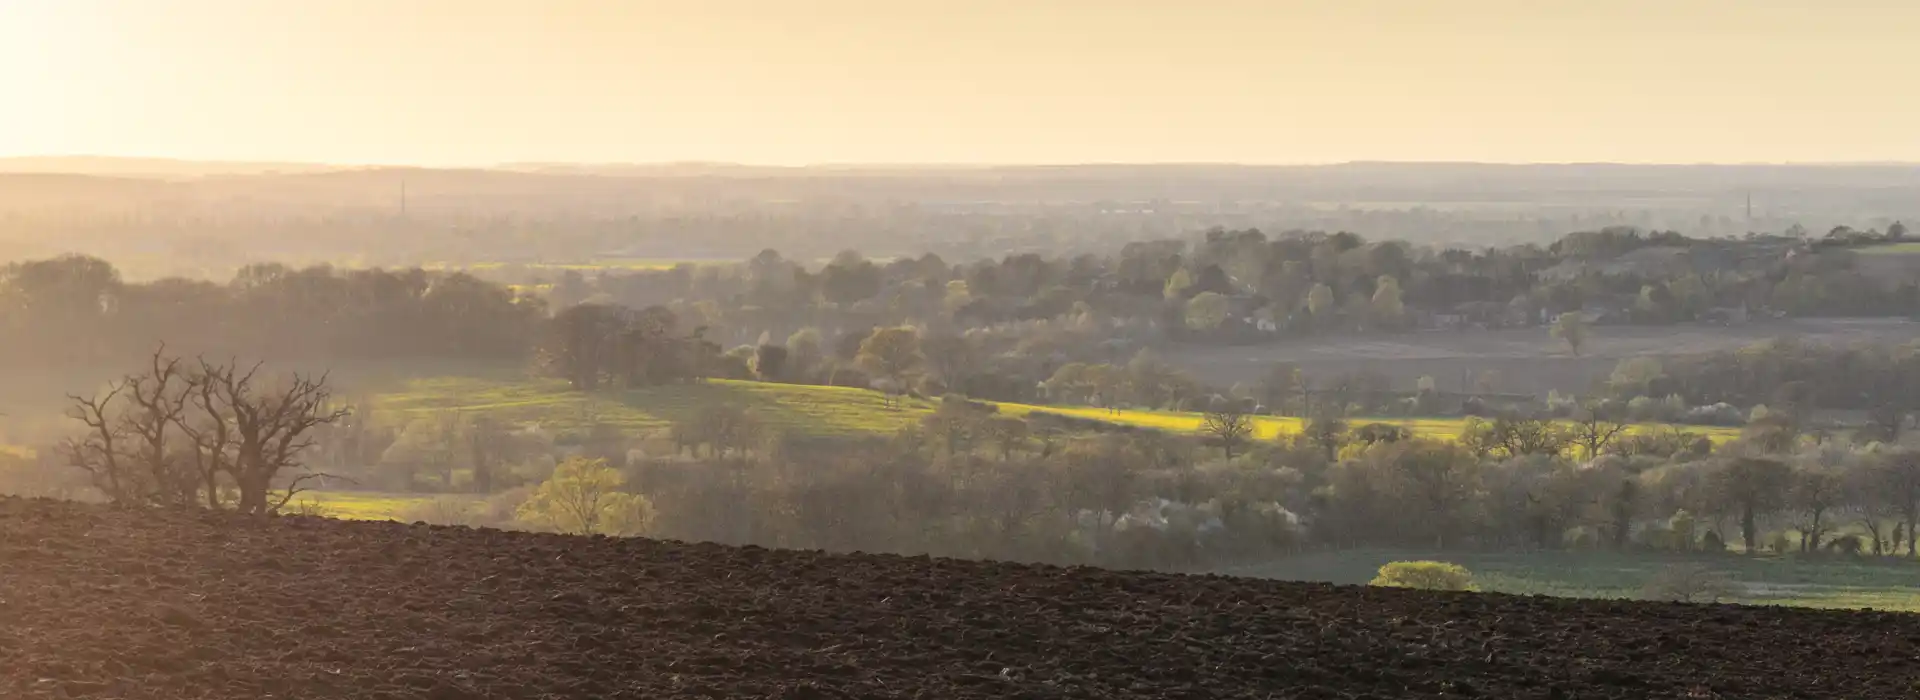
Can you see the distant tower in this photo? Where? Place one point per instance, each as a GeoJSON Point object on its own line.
{"type": "Point", "coordinates": [403, 199]}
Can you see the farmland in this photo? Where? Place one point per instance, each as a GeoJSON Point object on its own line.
{"type": "Point", "coordinates": [802, 409]}
{"type": "Point", "coordinates": [111, 603]}
{"type": "Point", "coordinates": [807, 410]}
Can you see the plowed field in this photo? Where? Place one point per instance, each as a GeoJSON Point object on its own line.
{"type": "Point", "coordinates": [102, 604]}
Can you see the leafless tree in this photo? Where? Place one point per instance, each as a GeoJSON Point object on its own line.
{"type": "Point", "coordinates": [1228, 423]}
{"type": "Point", "coordinates": [131, 447]}
{"type": "Point", "coordinates": [1593, 429]}
{"type": "Point", "coordinates": [164, 436]}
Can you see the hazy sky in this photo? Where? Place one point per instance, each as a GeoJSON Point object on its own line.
{"type": "Point", "coordinates": [800, 81]}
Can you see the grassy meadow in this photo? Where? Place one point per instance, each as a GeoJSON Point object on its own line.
{"type": "Point", "coordinates": [1762, 580]}
{"type": "Point", "coordinates": [804, 410]}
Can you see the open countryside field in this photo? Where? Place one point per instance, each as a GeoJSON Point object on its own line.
{"type": "Point", "coordinates": [113, 603]}
{"type": "Point", "coordinates": [1881, 584]}
{"type": "Point", "coordinates": [1523, 360]}
{"type": "Point", "coordinates": [802, 409]}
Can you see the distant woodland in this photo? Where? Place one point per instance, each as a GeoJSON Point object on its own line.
{"type": "Point", "coordinates": [158, 219]}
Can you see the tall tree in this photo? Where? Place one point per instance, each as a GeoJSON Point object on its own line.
{"type": "Point", "coordinates": [892, 354]}
{"type": "Point", "coordinates": [1571, 328]}
{"type": "Point", "coordinates": [1753, 486]}
{"type": "Point", "coordinates": [1206, 311]}
{"type": "Point", "coordinates": [580, 345]}
{"type": "Point", "coordinates": [1388, 310]}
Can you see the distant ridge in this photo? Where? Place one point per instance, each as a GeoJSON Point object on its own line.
{"type": "Point", "coordinates": [168, 168]}
{"type": "Point", "coordinates": [174, 168]}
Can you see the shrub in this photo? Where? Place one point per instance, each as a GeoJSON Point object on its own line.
{"type": "Point", "coordinates": [1689, 583]}
{"type": "Point", "coordinates": [583, 497]}
{"type": "Point", "coordinates": [1425, 575]}
{"type": "Point", "coordinates": [1711, 542]}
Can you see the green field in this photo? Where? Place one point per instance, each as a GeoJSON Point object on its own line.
{"type": "Point", "coordinates": [356, 505]}
{"type": "Point", "coordinates": [1763, 580]}
{"type": "Point", "coordinates": [800, 409]}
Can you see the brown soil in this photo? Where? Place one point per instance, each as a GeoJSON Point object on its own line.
{"type": "Point", "coordinates": [106, 604]}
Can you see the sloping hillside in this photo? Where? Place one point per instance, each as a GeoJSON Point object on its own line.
{"type": "Point", "coordinates": [99, 603]}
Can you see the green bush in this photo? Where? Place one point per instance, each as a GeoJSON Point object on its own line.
{"type": "Point", "coordinates": [1425, 575]}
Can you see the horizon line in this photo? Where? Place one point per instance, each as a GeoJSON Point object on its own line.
{"type": "Point", "coordinates": [950, 165]}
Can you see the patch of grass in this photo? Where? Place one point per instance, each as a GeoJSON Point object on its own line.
{"type": "Point", "coordinates": [799, 409]}
{"type": "Point", "coordinates": [1882, 584]}
{"type": "Point", "coordinates": [356, 505]}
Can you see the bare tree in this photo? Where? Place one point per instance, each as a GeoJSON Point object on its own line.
{"type": "Point", "coordinates": [269, 429]}
{"type": "Point", "coordinates": [99, 452]}
{"type": "Point", "coordinates": [1817, 491]}
{"type": "Point", "coordinates": [130, 448]}
{"type": "Point", "coordinates": [1228, 423]}
{"type": "Point", "coordinates": [1593, 429]}
{"type": "Point", "coordinates": [164, 436]}
{"type": "Point", "coordinates": [1899, 484]}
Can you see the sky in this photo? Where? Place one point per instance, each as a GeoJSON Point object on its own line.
{"type": "Point", "coordinates": [788, 82]}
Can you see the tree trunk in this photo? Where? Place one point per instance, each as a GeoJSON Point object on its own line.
{"type": "Point", "coordinates": [253, 494]}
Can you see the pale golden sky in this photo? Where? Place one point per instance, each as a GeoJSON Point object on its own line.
{"type": "Point", "coordinates": [450, 82]}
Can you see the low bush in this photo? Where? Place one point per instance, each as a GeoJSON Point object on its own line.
{"type": "Point", "coordinates": [1425, 575]}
